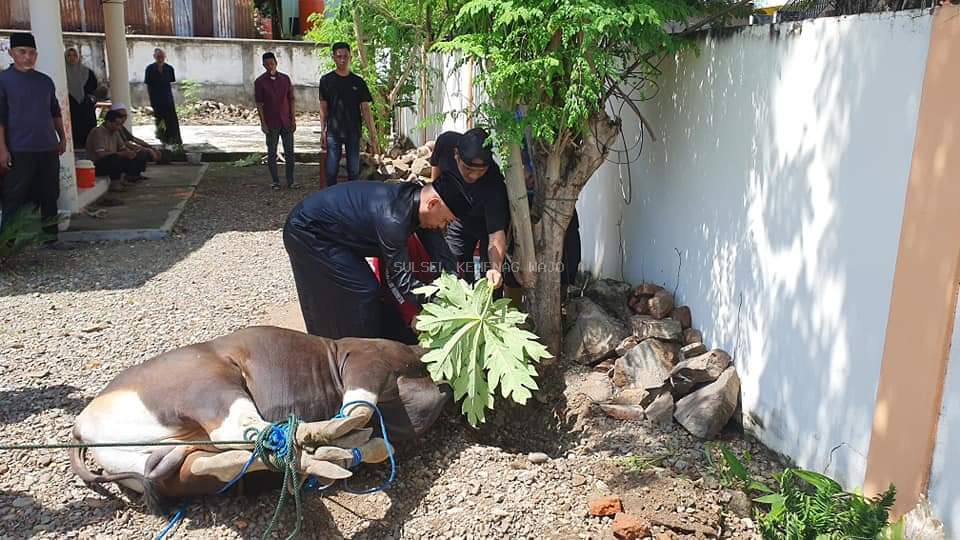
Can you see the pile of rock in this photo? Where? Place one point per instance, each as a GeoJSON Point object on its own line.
{"type": "Point", "coordinates": [659, 367]}
{"type": "Point", "coordinates": [208, 112]}
{"type": "Point", "coordinates": [402, 161]}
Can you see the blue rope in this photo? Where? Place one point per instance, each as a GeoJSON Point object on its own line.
{"type": "Point", "coordinates": [357, 457]}
{"type": "Point", "coordinates": [174, 520]}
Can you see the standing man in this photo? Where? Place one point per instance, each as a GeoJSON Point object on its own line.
{"type": "Point", "coordinates": [273, 93]}
{"type": "Point", "coordinates": [344, 97]}
{"type": "Point", "coordinates": [158, 77]}
{"type": "Point", "coordinates": [467, 159]}
{"type": "Point", "coordinates": [31, 136]}
{"type": "Point", "coordinates": [330, 233]}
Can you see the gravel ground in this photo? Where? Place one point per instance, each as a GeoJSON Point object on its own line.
{"type": "Point", "coordinates": [70, 321]}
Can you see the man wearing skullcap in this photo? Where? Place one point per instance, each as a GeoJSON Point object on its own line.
{"type": "Point", "coordinates": [31, 136]}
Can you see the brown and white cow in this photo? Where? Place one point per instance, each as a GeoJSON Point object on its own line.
{"type": "Point", "coordinates": [219, 389]}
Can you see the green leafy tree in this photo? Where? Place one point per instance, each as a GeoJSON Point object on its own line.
{"type": "Point", "coordinates": [566, 64]}
{"type": "Point", "coordinates": [390, 40]}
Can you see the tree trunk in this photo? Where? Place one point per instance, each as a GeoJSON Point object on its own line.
{"type": "Point", "coordinates": [276, 18]}
{"type": "Point", "coordinates": [566, 169]}
{"type": "Point", "coordinates": [358, 34]}
{"type": "Point", "coordinates": [520, 219]}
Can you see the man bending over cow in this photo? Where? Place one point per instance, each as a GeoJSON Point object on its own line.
{"type": "Point", "coordinates": [329, 235]}
{"type": "Point", "coordinates": [220, 389]}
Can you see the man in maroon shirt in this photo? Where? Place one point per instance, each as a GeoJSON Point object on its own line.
{"type": "Point", "coordinates": [273, 93]}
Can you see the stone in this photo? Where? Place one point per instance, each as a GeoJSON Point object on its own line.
{"type": "Point", "coordinates": [431, 144]}
{"type": "Point", "coordinates": [645, 327]}
{"type": "Point", "coordinates": [593, 333]}
{"type": "Point", "coordinates": [629, 527]}
{"type": "Point", "coordinates": [640, 305]}
{"type": "Point", "coordinates": [611, 295]}
{"type": "Point", "coordinates": [704, 368]}
{"type": "Point", "coordinates": [622, 412]}
{"type": "Point", "coordinates": [649, 364]}
{"type": "Point", "coordinates": [693, 349]}
{"type": "Point", "coordinates": [23, 502]}
{"type": "Point", "coordinates": [661, 305]}
{"type": "Point", "coordinates": [424, 151]}
{"type": "Point", "coordinates": [683, 315]}
{"type": "Point", "coordinates": [704, 412]}
{"type": "Point", "coordinates": [631, 396]}
{"type": "Point", "coordinates": [660, 412]}
{"type": "Point", "coordinates": [395, 152]}
{"type": "Point", "coordinates": [647, 289]}
{"type": "Point", "coordinates": [407, 158]}
{"type": "Point", "coordinates": [538, 457]}
{"type": "Point", "coordinates": [740, 504]}
{"type": "Point", "coordinates": [606, 506]}
{"type": "Point", "coordinates": [628, 343]}
{"type": "Point", "coordinates": [402, 167]}
{"type": "Point", "coordinates": [692, 335]}
{"type": "Point", "coordinates": [596, 386]}
{"type": "Point", "coordinates": [421, 167]}
{"type": "Point", "coordinates": [390, 169]}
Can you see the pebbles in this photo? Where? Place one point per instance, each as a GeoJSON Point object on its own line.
{"type": "Point", "coordinates": [224, 268]}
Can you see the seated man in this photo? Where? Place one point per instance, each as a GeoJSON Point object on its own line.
{"type": "Point", "coordinates": [140, 146]}
{"type": "Point", "coordinates": [111, 156]}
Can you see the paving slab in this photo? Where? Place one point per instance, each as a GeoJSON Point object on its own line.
{"type": "Point", "coordinates": [147, 211]}
{"type": "Point", "coordinates": [235, 142]}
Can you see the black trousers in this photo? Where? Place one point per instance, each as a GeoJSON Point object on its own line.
{"type": "Point", "coordinates": [34, 179]}
{"type": "Point", "coordinates": [339, 294]}
{"type": "Point", "coordinates": [115, 166]}
{"type": "Point", "coordinates": [462, 244]}
{"type": "Point", "coordinates": [168, 125]}
{"type": "Point", "coordinates": [83, 118]}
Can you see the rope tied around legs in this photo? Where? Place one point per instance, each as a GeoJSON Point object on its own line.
{"type": "Point", "coordinates": [275, 447]}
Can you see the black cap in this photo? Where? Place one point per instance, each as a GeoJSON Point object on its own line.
{"type": "Point", "coordinates": [472, 149]}
{"type": "Point", "coordinates": [452, 194]}
{"type": "Point", "coordinates": [268, 56]}
{"type": "Point", "coordinates": [22, 39]}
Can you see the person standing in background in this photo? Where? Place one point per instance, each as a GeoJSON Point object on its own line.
{"type": "Point", "coordinates": [31, 137]}
{"type": "Point", "coordinates": [344, 98]}
{"type": "Point", "coordinates": [81, 85]}
{"type": "Point", "coordinates": [273, 93]}
{"type": "Point", "coordinates": [158, 77]}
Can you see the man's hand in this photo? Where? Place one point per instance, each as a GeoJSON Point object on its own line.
{"type": "Point", "coordinates": [4, 159]}
{"type": "Point", "coordinates": [264, 128]}
{"type": "Point", "coordinates": [495, 277]}
{"type": "Point", "coordinates": [155, 154]}
{"type": "Point", "coordinates": [293, 126]}
{"type": "Point", "coordinates": [62, 147]}
{"type": "Point", "coordinates": [127, 154]}
{"type": "Point", "coordinates": [323, 139]}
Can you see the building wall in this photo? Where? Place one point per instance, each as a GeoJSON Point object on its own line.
{"type": "Point", "coordinates": [225, 68]}
{"type": "Point", "coordinates": [945, 475]}
{"type": "Point", "coordinates": [776, 189]}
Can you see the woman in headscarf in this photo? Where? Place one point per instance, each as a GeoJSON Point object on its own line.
{"type": "Point", "coordinates": [82, 84]}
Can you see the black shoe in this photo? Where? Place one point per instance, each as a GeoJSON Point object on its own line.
{"type": "Point", "coordinates": [275, 187]}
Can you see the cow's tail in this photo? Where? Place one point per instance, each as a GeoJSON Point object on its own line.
{"type": "Point", "coordinates": [79, 467]}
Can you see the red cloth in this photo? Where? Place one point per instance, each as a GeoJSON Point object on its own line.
{"type": "Point", "coordinates": [420, 260]}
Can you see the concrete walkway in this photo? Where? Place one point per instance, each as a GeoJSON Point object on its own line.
{"type": "Point", "coordinates": [146, 211]}
{"type": "Point", "coordinates": [230, 143]}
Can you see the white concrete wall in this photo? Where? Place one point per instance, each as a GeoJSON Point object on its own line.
{"type": "Point", "coordinates": [449, 94]}
{"type": "Point", "coordinates": [226, 68]}
{"type": "Point", "coordinates": [779, 175]}
{"type": "Point", "coordinates": [944, 491]}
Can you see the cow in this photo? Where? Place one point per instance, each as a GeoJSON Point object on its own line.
{"type": "Point", "coordinates": [220, 389]}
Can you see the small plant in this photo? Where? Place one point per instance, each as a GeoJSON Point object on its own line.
{"type": "Point", "coordinates": [476, 345]}
{"type": "Point", "coordinates": [191, 91]}
{"type": "Point", "coordinates": [809, 506]}
{"type": "Point", "coordinates": [728, 469]}
{"type": "Point", "coordinates": [25, 229]}
{"type": "Point", "coordinates": [639, 464]}
{"type": "Point", "coordinates": [250, 160]}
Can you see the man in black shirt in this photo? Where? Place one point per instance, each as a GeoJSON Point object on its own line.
{"type": "Point", "coordinates": [466, 158]}
{"type": "Point", "coordinates": [330, 233]}
{"type": "Point", "coordinates": [344, 98]}
{"type": "Point", "coordinates": [158, 77]}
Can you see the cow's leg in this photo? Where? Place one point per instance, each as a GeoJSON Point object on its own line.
{"type": "Point", "coordinates": [241, 416]}
{"type": "Point", "coordinates": [355, 416]}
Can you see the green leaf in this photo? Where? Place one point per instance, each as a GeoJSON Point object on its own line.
{"type": "Point", "coordinates": [736, 466]}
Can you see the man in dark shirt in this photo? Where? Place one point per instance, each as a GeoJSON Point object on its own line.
{"type": "Point", "coordinates": [158, 77]}
{"type": "Point", "coordinates": [273, 93]}
{"type": "Point", "coordinates": [344, 98]}
{"type": "Point", "coordinates": [470, 162]}
{"type": "Point", "coordinates": [329, 234]}
{"type": "Point", "coordinates": [31, 136]}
